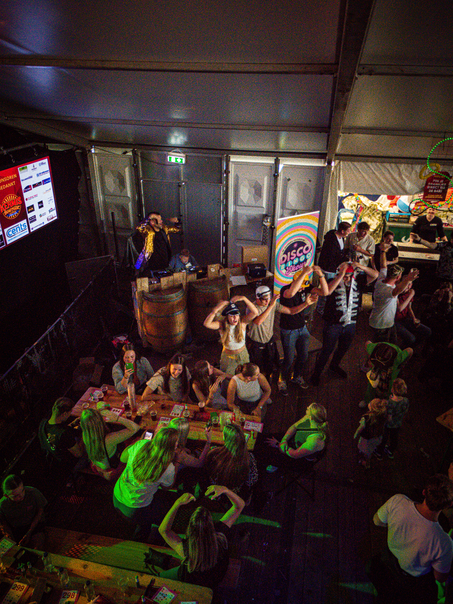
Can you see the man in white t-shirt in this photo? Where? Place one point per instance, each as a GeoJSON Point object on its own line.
{"type": "Point", "coordinates": [260, 335]}
{"type": "Point", "coordinates": [419, 550]}
{"type": "Point", "coordinates": [386, 291]}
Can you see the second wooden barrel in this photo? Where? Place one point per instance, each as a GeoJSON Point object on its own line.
{"type": "Point", "coordinates": [164, 318]}
{"type": "Point", "coordinates": [203, 296]}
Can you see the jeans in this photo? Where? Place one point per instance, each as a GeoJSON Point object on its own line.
{"type": "Point", "coordinates": [294, 341]}
{"type": "Point", "coordinates": [333, 333]}
{"type": "Point", "coordinates": [410, 333]}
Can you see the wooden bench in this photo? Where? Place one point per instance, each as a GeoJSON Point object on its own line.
{"type": "Point", "coordinates": [119, 553]}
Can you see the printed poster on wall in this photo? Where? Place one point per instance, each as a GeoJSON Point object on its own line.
{"type": "Point", "coordinates": [27, 200]}
{"type": "Point", "coordinates": [295, 246]}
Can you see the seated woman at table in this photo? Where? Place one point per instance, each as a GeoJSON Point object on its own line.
{"type": "Point", "coordinates": [204, 549]}
{"type": "Point", "coordinates": [207, 385]}
{"type": "Point", "coordinates": [139, 374]}
{"type": "Point", "coordinates": [183, 455]}
{"type": "Point", "coordinates": [249, 390]}
{"type": "Point", "coordinates": [232, 465]}
{"type": "Point", "coordinates": [101, 444]}
{"type": "Point", "coordinates": [307, 437]}
{"type": "Point", "coordinates": [232, 331]}
{"type": "Point", "coordinates": [171, 382]}
{"type": "Point", "coordinates": [149, 466]}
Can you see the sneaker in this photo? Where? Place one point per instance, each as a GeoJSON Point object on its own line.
{"type": "Point", "coordinates": [283, 388]}
{"type": "Point", "coordinates": [299, 380]}
{"type": "Point", "coordinates": [362, 404]}
{"type": "Point", "coordinates": [377, 455]}
{"type": "Point", "coordinates": [388, 452]}
{"type": "Point", "coordinates": [339, 371]}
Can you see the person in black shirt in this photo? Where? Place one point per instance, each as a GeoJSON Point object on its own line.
{"type": "Point", "coordinates": [428, 226]}
{"type": "Point", "coordinates": [295, 298]}
{"type": "Point", "coordinates": [204, 550]}
{"type": "Point", "coordinates": [340, 315]}
{"type": "Point", "coordinates": [58, 438]}
{"type": "Point", "coordinates": [391, 254]}
{"type": "Point", "coordinates": [156, 253]}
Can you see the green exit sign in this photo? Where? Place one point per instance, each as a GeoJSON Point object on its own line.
{"type": "Point", "coordinates": [176, 159]}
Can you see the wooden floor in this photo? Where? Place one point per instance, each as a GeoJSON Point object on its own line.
{"type": "Point", "coordinates": [296, 550]}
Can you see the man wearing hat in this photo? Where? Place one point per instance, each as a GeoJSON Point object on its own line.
{"type": "Point", "coordinates": [260, 340]}
{"type": "Point", "coordinates": [294, 299]}
{"type": "Point", "coordinates": [232, 331]}
{"type": "Point", "coordinates": [340, 315]}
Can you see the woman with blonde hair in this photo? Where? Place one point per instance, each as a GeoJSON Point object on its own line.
{"type": "Point", "coordinates": [232, 331]}
{"type": "Point", "coordinates": [232, 465]}
{"type": "Point", "coordinates": [149, 466]}
{"type": "Point", "coordinates": [306, 437]}
{"type": "Point", "coordinates": [100, 443]}
{"type": "Point", "coordinates": [371, 430]}
{"type": "Point", "coordinates": [204, 549]}
{"type": "Point", "coordinates": [183, 455]}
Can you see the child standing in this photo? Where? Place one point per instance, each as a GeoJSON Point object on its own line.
{"type": "Point", "coordinates": [370, 430]}
{"type": "Point", "coordinates": [397, 407]}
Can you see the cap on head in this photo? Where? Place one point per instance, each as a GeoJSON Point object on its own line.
{"type": "Point", "coordinates": [305, 281]}
{"type": "Point", "coordinates": [231, 309]}
{"type": "Point", "coordinates": [262, 291]}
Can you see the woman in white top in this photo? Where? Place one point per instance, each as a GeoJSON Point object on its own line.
{"type": "Point", "coordinates": [249, 390]}
{"type": "Point", "coordinates": [232, 331]}
{"type": "Point", "coordinates": [149, 465]}
{"type": "Point", "coordinates": [100, 443]}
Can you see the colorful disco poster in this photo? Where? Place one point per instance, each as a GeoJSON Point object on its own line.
{"type": "Point", "coordinates": [295, 246]}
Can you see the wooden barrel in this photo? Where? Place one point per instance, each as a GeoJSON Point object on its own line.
{"type": "Point", "coordinates": [203, 296]}
{"type": "Point", "coordinates": [164, 318]}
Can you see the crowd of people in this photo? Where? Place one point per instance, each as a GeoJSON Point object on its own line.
{"type": "Point", "coordinates": [349, 265]}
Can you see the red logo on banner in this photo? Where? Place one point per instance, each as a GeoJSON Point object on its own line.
{"type": "Point", "coordinates": [11, 206]}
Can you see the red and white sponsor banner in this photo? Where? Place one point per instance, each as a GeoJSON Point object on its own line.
{"type": "Point", "coordinates": [27, 200]}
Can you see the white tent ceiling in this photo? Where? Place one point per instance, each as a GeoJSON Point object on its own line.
{"type": "Point", "coordinates": [362, 78]}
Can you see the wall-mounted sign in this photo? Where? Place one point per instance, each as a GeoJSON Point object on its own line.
{"type": "Point", "coordinates": [176, 158]}
{"type": "Point", "coordinates": [27, 200]}
{"type": "Point", "coordinates": [295, 246]}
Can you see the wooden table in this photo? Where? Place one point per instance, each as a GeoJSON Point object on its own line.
{"type": "Point", "coordinates": [105, 581]}
{"type": "Point", "coordinates": [164, 409]}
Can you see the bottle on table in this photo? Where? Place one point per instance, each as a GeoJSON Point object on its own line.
{"type": "Point", "coordinates": [131, 396]}
{"type": "Point", "coordinates": [186, 412]}
{"type": "Point", "coordinates": [89, 591]}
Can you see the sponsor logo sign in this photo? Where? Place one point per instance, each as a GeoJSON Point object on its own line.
{"type": "Point", "coordinates": [46, 181]}
{"type": "Point", "coordinates": [41, 173]}
{"type": "Point", "coordinates": [32, 219]}
{"type": "Point", "coordinates": [26, 178]}
{"type": "Point", "coordinates": [42, 163]}
{"type": "Point", "coordinates": [23, 169]}
{"type": "Point", "coordinates": [43, 214]}
{"type": "Point", "coordinates": [31, 197]}
{"type": "Point", "coordinates": [11, 206]}
{"type": "Point", "coordinates": [40, 204]}
{"type": "Point", "coordinates": [28, 188]}
{"type": "Point", "coordinates": [31, 208]}
{"type": "Point", "coordinates": [37, 184]}
{"type": "Point", "coordinates": [16, 231]}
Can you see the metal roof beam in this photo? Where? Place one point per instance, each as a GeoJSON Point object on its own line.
{"type": "Point", "coordinates": [420, 71]}
{"type": "Point", "coordinates": [170, 66]}
{"type": "Point", "coordinates": [357, 18]}
{"type": "Point", "coordinates": [391, 132]}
